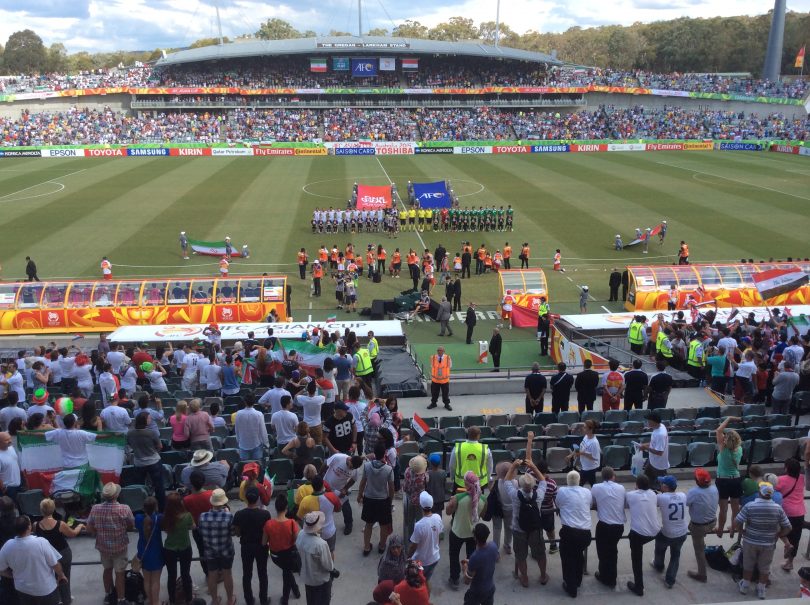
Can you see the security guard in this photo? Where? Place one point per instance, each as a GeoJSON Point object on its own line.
{"type": "Point", "coordinates": [663, 347]}
{"type": "Point", "coordinates": [637, 334]}
{"type": "Point", "coordinates": [696, 359]}
{"type": "Point", "coordinates": [373, 350]}
{"type": "Point", "coordinates": [471, 455]}
{"type": "Point", "coordinates": [363, 369]}
{"type": "Point", "coordinates": [543, 325]}
{"type": "Point", "coordinates": [440, 366]}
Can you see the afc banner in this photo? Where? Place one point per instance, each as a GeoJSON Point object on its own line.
{"type": "Point", "coordinates": [432, 195]}
{"type": "Point", "coordinates": [364, 68]}
{"type": "Point", "coordinates": [371, 197]}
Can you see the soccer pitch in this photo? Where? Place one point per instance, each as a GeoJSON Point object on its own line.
{"type": "Point", "coordinates": [67, 214]}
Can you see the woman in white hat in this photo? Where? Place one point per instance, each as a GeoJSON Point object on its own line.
{"type": "Point", "coordinates": [316, 560]}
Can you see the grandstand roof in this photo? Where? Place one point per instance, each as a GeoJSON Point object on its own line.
{"type": "Point", "coordinates": [341, 45]}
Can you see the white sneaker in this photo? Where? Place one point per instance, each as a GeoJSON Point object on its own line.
{"type": "Point", "coordinates": [761, 591]}
{"type": "Point", "coordinates": [743, 586]}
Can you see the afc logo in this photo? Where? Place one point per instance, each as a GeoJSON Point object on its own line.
{"type": "Point", "coordinates": [364, 67]}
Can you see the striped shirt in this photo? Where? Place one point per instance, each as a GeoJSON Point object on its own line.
{"type": "Point", "coordinates": [763, 519]}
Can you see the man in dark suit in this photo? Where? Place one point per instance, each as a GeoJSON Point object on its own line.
{"type": "Point", "coordinates": [470, 319]}
{"type": "Point", "coordinates": [438, 254]}
{"type": "Point", "coordinates": [614, 282]}
{"type": "Point", "coordinates": [625, 283]}
{"type": "Point", "coordinates": [450, 289]}
{"type": "Point", "coordinates": [495, 349]}
{"type": "Point", "coordinates": [457, 295]}
{"type": "Point", "coordinates": [466, 260]}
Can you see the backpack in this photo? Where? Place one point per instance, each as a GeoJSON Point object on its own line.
{"type": "Point", "coordinates": [134, 590]}
{"type": "Point", "coordinates": [529, 512]}
{"type": "Point", "coordinates": [494, 507]}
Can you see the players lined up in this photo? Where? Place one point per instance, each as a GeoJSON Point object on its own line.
{"type": "Point", "coordinates": [462, 219]}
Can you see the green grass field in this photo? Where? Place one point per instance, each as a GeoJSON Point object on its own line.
{"type": "Point", "coordinates": [67, 214]}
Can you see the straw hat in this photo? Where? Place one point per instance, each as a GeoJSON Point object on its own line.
{"type": "Point", "coordinates": [201, 457]}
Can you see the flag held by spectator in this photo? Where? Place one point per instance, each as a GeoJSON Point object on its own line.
{"type": "Point", "coordinates": [419, 425]}
{"type": "Point", "coordinates": [800, 58]}
{"type": "Point", "coordinates": [774, 282]}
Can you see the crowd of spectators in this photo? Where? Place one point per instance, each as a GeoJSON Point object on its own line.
{"type": "Point", "coordinates": [294, 72]}
{"type": "Point", "coordinates": [83, 126]}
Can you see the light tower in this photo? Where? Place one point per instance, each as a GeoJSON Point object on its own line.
{"type": "Point", "coordinates": [773, 58]}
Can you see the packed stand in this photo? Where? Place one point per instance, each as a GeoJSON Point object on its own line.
{"type": "Point", "coordinates": [100, 78]}
{"type": "Point", "coordinates": [283, 125]}
{"type": "Point", "coordinates": [483, 124]}
{"type": "Point", "coordinates": [353, 124]}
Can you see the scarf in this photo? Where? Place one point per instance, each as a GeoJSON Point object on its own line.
{"type": "Point", "coordinates": [392, 567]}
{"type": "Point", "coordinates": [473, 486]}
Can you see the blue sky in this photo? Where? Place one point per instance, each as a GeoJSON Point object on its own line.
{"type": "Point", "coordinates": [103, 25]}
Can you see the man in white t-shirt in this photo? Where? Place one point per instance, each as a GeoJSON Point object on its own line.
{"type": "Point", "coordinates": [34, 564]}
{"type": "Point", "coordinates": [9, 468]}
{"type": "Point", "coordinates": [342, 471]}
{"type": "Point", "coordinates": [425, 538]}
{"type": "Point", "coordinates": [273, 396]}
{"type": "Point", "coordinates": [644, 527]}
{"type": "Point", "coordinates": [745, 374]}
{"type": "Point", "coordinates": [11, 411]}
{"type": "Point", "coordinates": [284, 423]}
{"type": "Point", "coordinates": [674, 528]}
{"type": "Point", "coordinates": [609, 501]}
{"type": "Point", "coordinates": [15, 383]}
{"type": "Point", "coordinates": [658, 447]}
{"type": "Point", "coordinates": [190, 370]}
{"type": "Point", "coordinates": [211, 375]}
{"type": "Point", "coordinates": [72, 441]}
{"type": "Point", "coordinates": [115, 358]}
{"type": "Point", "coordinates": [115, 419]}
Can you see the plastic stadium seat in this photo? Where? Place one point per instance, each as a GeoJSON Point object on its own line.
{"type": "Point", "coordinates": [519, 420]}
{"type": "Point", "coordinates": [537, 455]}
{"type": "Point", "coordinates": [578, 428]}
{"type": "Point", "coordinates": [592, 415]}
{"type": "Point", "coordinates": [616, 416]}
{"type": "Point", "coordinates": [168, 477]}
{"type": "Point", "coordinates": [515, 444]}
{"type": "Point", "coordinates": [701, 453]}
{"type": "Point", "coordinates": [208, 401]}
{"type": "Point", "coordinates": [234, 400]}
{"type": "Point", "coordinates": [230, 442]}
{"type": "Point", "coordinates": [221, 431]}
{"type": "Point", "coordinates": [683, 424]}
{"type": "Point", "coordinates": [631, 426]}
{"type": "Point", "coordinates": [175, 457]}
{"type": "Point", "coordinates": [637, 415]}
{"type": "Point", "coordinates": [406, 424]}
{"type": "Point", "coordinates": [177, 471]}
{"type": "Point", "coordinates": [129, 476]}
{"type": "Point", "coordinates": [537, 429]}
{"type": "Point", "coordinates": [800, 403]}
{"type": "Point", "coordinates": [616, 456]}
{"type": "Point", "coordinates": [445, 422]}
{"type": "Point", "coordinates": [231, 456]}
{"type": "Point", "coordinates": [504, 431]}
{"type": "Point", "coordinates": [737, 425]}
{"type": "Point", "coordinates": [404, 461]}
{"type": "Point", "coordinates": [682, 437]}
{"type": "Point", "coordinates": [758, 451]}
{"type": "Point", "coordinates": [496, 420]}
{"type": "Point", "coordinates": [544, 418]}
{"type": "Point", "coordinates": [431, 446]}
{"type": "Point", "coordinates": [28, 501]}
{"type": "Point", "coordinates": [732, 410]}
{"type": "Point", "coordinates": [473, 420]}
{"type": "Point", "coordinates": [133, 496]}
{"type": "Point", "coordinates": [455, 433]}
{"type": "Point", "coordinates": [788, 432]}
{"type": "Point", "coordinates": [754, 409]}
{"type": "Point", "coordinates": [756, 421]}
{"type": "Point", "coordinates": [181, 394]}
{"type": "Point", "coordinates": [706, 424]}
{"type": "Point", "coordinates": [557, 459]}
{"type": "Point", "coordinates": [433, 435]}
{"type": "Point", "coordinates": [409, 447]}
{"type": "Point", "coordinates": [282, 470]}
{"type": "Point", "coordinates": [557, 430]}
{"type": "Point", "coordinates": [569, 441]}
{"type": "Point", "coordinates": [709, 411]}
{"type": "Point", "coordinates": [431, 421]}
{"type": "Point", "coordinates": [667, 414]}
{"type": "Point", "coordinates": [499, 456]}
{"type": "Point", "coordinates": [779, 419]}
{"type": "Point", "coordinates": [677, 454]}
{"type": "Point", "coordinates": [782, 449]}
{"type": "Point", "coordinates": [486, 432]}
{"type": "Point", "coordinates": [625, 439]}
{"type": "Point", "coordinates": [568, 418]}
{"type": "Point", "coordinates": [166, 433]}
{"type": "Point", "coordinates": [686, 413]}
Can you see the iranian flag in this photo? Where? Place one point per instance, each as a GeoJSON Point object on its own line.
{"type": "Point", "coordinates": [774, 282]}
{"type": "Point", "coordinates": [41, 463]}
{"type": "Point", "coordinates": [310, 357]}
{"type": "Point", "coordinates": [317, 66]}
{"type": "Point", "coordinates": [212, 248]}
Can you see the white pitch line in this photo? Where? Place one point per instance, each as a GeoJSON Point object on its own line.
{"type": "Point", "coordinates": [726, 178]}
{"type": "Point", "coordinates": [606, 309]}
{"type": "Point", "coordinates": [399, 199]}
{"type": "Point", "coordinates": [2, 197]}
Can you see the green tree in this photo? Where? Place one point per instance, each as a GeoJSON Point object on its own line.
{"type": "Point", "coordinates": [57, 58]}
{"type": "Point", "coordinates": [378, 31]}
{"type": "Point", "coordinates": [336, 33]}
{"type": "Point", "coordinates": [454, 30]}
{"type": "Point", "coordinates": [277, 29]}
{"type": "Point", "coordinates": [486, 32]}
{"type": "Point", "coordinates": [25, 53]}
{"type": "Point", "coordinates": [81, 61]}
{"type": "Point", "coordinates": [207, 42]}
{"type": "Point", "coordinates": [410, 29]}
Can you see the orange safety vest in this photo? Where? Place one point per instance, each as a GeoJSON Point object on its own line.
{"type": "Point", "coordinates": [440, 370]}
{"type": "Point", "coordinates": [350, 253]}
{"type": "Point", "coordinates": [507, 251]}
{"type": "Point", "coordinates": [317, 271]}
{"type": "Point", "coordinates": [334, 255]}
{"type": "Point", "coordinates": [302, 258]}
{"type": "Point", "coordinates": [468, 249]}
{"type": "Point", "coordinates": [525, 251]}
{"type": "Point", "coordinates": [369, 258]}
{"type": "Point", "coordinates": [412, 259]}
{"type": "Point", "coordinates": [359, 262]}
{"type": "Point", "coordinates": [323, 255]}
{"type": "Point", "coordinates": [684, 251]}
{"type": "Point", "coordinates": [482, 252]}
{"type": "Point", "coordinates": [382, 254]}
{"type": "Point", "coordinates": [457, 261]}
{"type": "Point", "coordinates": [488, 261]}
{"type": "Point", "coordinates": [396, 258]}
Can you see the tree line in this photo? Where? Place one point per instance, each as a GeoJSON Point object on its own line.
{"type": "Point", "coordinates": [720, 44]}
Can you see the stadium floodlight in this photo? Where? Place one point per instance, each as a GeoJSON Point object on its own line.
{"type": "Point", "coordinates": [773, 58]}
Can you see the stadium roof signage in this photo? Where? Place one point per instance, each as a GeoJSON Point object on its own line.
{"type": "Point", "coordinates": [363, 45]}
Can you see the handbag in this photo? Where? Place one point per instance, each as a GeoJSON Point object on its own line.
{"type": "Point", "coordinates": [137, 562]}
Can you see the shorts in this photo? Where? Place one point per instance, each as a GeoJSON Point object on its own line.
{"type": "Point", "coordinates": [729, 487]}
{"type": "Point", "coordinates": [522, 543]}
{"type": "Point", "coordinates": [547, 520]}
{"type": "Point", "coordinates": [757, 557]}
{"type": "Point", "coordinates": [376, 511]}
{"type": "Point", "coordinates": [118, 562]}
{"type": "Point", "coordinates": [331, 542]}
{"type": "Point", "coordinates": [219, 563]}
{"type": "Point", "coordinates": [396, 266]}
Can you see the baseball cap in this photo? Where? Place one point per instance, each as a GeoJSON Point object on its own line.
{"type": "Point", "coordinates": [435, 459]}
{"type": "Point", "coordinates": [670, 481]}
{"type": "Point", "coordinates": [341, 406]}
{"type": "Point", "coordinates": [702, 476]}
{"type": "Point", "coordinates": [425, 500]}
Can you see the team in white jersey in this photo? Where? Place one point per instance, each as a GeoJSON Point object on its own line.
{"type": "Point", "coordinates": [352, 220]}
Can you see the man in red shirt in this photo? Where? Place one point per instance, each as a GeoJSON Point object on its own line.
{"type": "Point", "coordinates": [197, 503]}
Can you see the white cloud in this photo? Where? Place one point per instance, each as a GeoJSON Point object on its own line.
{"type": "Point", "coordinates": [148, 24]}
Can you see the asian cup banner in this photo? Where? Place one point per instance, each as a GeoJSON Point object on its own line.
{"type": "Point", "coordinates": [364, 68]}
{"type": "Point", "coordinates": [432, 195]}
{"type": "Point", "coordinates": [371, 197]}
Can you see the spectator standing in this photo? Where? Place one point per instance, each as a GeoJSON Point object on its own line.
{"type": "Point", "coordinates": [215, 474]}
{"type": "Point", "coordinates": [502, 519]}
{"type": "Point", "coordinates": [197, 503]}
{"type": "Point", "coordinates": [527, 532]}
{"type": "Point", "coordinates": [249, 526]}
{"type": "Point", "coordinates": [273, 396]}
{"type": "Point", "coordinates": [72, 443]}
{"type": "Point", "coordinates": [729, 482]}
{"type": "Point", "coordinates": [644, 527]}
{"type": "Point", "coordinates": [440, 367]}
{"type": "Point", "coordinates": [301, 449]}
{"type": "Point", "coordinates": [659, 387]}
{"type": "Point", "coordinates": [443, 317]}
{"type": "Point", "coordinates": [635, 386]}
{"type": "Point", "coordinates": [375, 494]}
{"type": "Point", "coordinates": [792, 485]}
{"type": "Point", "coordinates": [251, 431]}
{"type": "Point", "coordinates": [574, 503]}
{"type": "Point", "coordinates": [341, 474]}
{"type": "Point", "coordinates": [784, 383]}
{"type": "Point", "coordinates": [110, 522]}
{"type": "Point", "coordinates": [199, 426]}
{"type": "Point", "coordinates": [585, 385]}
{"type": "Point", "coordinates": [702, 503]}
{"type": "Point", "coordinates": [150, 548]}
{"type": "Point", "coordinates": [673, 528]}
{"type": "Point", "coordinates": [561, 384]}
{"type": "Point", "coordinates": [340, 431]}
{"type": "Point", "coordinates": [34, 565]}
{"type": "Point", "coordinates": [115, 418]}
{"type": "Point", "coordinates": [391, 568]}
{"type": "Point", "coordinates": [658, 447]}
{"type": "Point", "coordinates": [284, 422]}
{"type": "Point", "coordinates": [178, 423]}
{"type": "Point", "coordinates": [424, 542]}
{"type": "Point", "coordinates": [416, 481]}
{"type": "Point", "coordinates": [56, 532]}
{"type": "Point", "coordinates": [215, 529]}
{"type": "Point", "coordinates": [465, 508]}
{"type": "Point", "coordinates": [316, 560]}
{"type": "Point", "coordinates": [479, 570]}
{"type": "Point", "coordinates": [534, 386]}
{"type": "Point", "coordinates": [763, 522]}
{"type": "Point", "coordinates": [495, 348]}
{"type": "Point", "coordinates": [608, 499]}
{"type": "Point", "coordinates": [589, 453]}
{"type": "Point", "coordinates": [469, 320]}
{"type": "Point", "coordinates": [177, 522]}
{"type": "Point", "coordinates": [311, 404]}
{"type": "Point", "coordinates": [279, 535]}
{"type": "Point", "coordinates": [146, 448]}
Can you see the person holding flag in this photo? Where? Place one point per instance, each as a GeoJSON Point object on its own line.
{"type": "Point", "coordinates": [558, 261]}
{"type": "Point", "coordinates": [647, 235]}
{"type": "Point", "coordinates": [228, 248]}
{"type": "Point", "coordinates": [184, 245]}
{"type": "Point", "coordinates": [662, 233]}
{"type": "Point", "coordinates": [106, 268]}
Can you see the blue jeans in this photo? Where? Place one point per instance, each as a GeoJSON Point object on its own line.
{"type": "Point", "coordinates": [674, 545]}
{"type": "Point", "coordinates": [255, 454]}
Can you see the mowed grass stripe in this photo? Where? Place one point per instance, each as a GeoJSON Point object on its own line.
{"type": "Point", "coordinates": [702, 215]}
{"type": "Point", "coordinates": [16, 170]}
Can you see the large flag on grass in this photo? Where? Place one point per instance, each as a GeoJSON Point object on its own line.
{"type": "Point", "coordinates": [774, 282]}
{"type": "Point", "coordinates": [653, 233]}
{"type": "Point", "coordinates": [370, 197]}
{"type": "Point", "coordinates": [432, 195]}
{"type": "Point", "coordinates": [212, 248]}
{"type": "Point", "coordinates": [41, 462]}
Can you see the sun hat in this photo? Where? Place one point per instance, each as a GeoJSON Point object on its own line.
{"type": "Point", "coordinates": [219, 497]}
{"type": "Point", "coordinates": [418, 464]}
{"type": "Point", "coordinates": [314, 522]}
{"type": "Point", "coordinates": [425, 500]}
{"type": "Point", "coordinates": [110, 491]}
{"type": "Point", "coordinates": [201, 457]}
{"type": "Point", "coordinates": [40, 396]}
